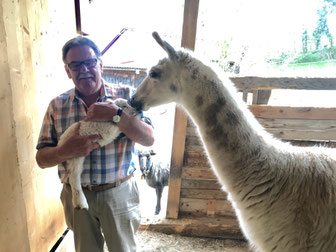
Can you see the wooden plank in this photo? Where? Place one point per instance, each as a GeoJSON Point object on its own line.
{"type": "Point", "coordinates": [245, 95]}
{"type": "Point", "coordinates": [189, 24]}
{"type": "Point", "coordinates": [209, 184]}
{"type": "Point", "coordinates": [199, 207]}
{"type": "Point", "coordinates": [178, 145]}
{"type": "Point", "coordinates": [252, 82]}
{"type": "Point", "coordinates": [261, 111]}
{"type": "Point", "coordinates": [180, 124]}
{"type": "Point", "coordinates": [260, 96]}
{"type": "Point", "coordinates": [197, 173]}
{"type": "Point", "coordinates": [192, 131]}
{"type": "Point", "coordinates": [293, 134]}
{"type": "Point", "coordinates": [211, 208]}
{"type": "Point", "coordinates": [297, 129]}
{"type": "Point", "coordinates": [196, 159]}
{"type": "Point", "coordinates": [193, 140]}
{"type": "Point", "coordinates": [299, 124]}
{"type": "Point", "coordinates": [194, 148]}
{"type": "Point", "coordinates": [203, 194]}
{"type": "Point", "coordinates": [328, 144]}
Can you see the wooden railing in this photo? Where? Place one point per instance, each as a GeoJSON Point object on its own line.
{"type": "Point", "coordinates": [290, 123]}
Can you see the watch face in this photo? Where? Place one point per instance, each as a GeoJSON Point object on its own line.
{"type": "Point", "coordinates": [116, 119]}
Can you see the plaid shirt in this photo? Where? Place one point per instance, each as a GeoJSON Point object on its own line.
{"type": "Point", "coordinates": [103, 165]}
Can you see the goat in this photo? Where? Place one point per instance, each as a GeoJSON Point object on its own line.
{"type": "Point", "coordinates": [156, 175]}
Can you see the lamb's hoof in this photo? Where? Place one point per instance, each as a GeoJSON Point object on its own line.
{"type": "Point", "coordinates": [80, 204]}
{"type": "Point", "coordinates": [157, 211]}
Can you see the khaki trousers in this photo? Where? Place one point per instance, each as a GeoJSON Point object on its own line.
{"type": "Point", "coordinates": [113, 216]}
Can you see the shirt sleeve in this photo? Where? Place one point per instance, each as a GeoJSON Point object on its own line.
{"type": "Point", "coordinates": [48, 136]}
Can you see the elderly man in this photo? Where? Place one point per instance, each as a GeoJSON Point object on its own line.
{"type": "Point", "coordinates": [109, 187]}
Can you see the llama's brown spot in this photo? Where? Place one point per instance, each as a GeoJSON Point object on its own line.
{"type": "Point", "coordinates": [256, 152]}
{"type": "Point", "coordinates": [213, 109]}
{"type": "Point", "coordinates": [221, 102]}
{"type": "Point", "coordinates": [232, 118]}
{"type": "Point", "coordinates": [234, 146]}
{"type": "Point", "coordinates": [216, 133]}
{"type": "Point", "coordinates": [173, 88]}
{"type": "Point", "coordinates": [223, 140]}
{"type": "Point", "coordinates": [211, 113]}
{"type": "Point", "coordinates": [199, 101]}
{"type": "Point", "coordinates": [195, 73]}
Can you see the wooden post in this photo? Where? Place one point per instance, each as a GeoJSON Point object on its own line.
{"type": "Point", "coordinates": [180, 124]}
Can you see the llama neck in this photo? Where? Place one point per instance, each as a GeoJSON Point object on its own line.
{"type": "Point", "coordinates": [227, 127]}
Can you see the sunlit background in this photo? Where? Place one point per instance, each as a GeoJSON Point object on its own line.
{"type": "Point", "coordinates": [262, 37]}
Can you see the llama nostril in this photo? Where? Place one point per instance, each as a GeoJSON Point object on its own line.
{"type": "Point", "coordinates": [136, 104]}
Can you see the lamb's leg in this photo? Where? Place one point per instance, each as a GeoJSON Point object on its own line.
{"type": "Point", "coordinates": [78, 197]}
{"type": "Point", "coordinates": [158, 199]}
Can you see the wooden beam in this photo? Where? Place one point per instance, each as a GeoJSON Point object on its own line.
{"type": "Point", "coordinates": [293, 112]}
{"type": "Point", "coordinates": [78, 16]}
{"type": "Point", "coordinates": [190, 24]}
{"type": "Point", "coordinates": [180, 124]}
{"type": "Point", "coordinates": [252, 82]}
{"type": "Point", "coordinates": [198, 173]}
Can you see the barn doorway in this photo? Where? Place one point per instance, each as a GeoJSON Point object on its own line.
{"type": "Point", "coordinates": [163, 121]}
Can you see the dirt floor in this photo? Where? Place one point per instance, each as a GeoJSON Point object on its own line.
{"type": "Point", "coordinates": [150, 241]}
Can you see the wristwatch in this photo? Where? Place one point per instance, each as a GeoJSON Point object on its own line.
{"type": "Point", "coordinates": [116, 118]}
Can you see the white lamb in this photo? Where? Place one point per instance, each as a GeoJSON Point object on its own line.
{"type": "Point", "coordinates": [284, 196]}
{"type": "Point", "coordinates": [108, 132]}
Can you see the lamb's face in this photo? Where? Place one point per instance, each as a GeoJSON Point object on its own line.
{"type": "Point", "coordinates": [159, 87]}
{"type": "Point", "coordinates": [124, 104]}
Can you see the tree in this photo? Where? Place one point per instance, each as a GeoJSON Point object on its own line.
{"type": "Point", "coordinates": [322, 27]}
{"type": "Point", "coordinates": [305, 41]}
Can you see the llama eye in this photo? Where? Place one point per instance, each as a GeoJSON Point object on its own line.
{"type": "Point", "coordinates": [154, 74]}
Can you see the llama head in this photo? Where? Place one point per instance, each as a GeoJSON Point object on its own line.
{"type": "Point", "coordinates": [125, 105]}
{"type": "Point", "coordinates": [162, 84]}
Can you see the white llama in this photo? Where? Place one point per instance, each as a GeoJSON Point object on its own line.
{"type": "Point", "coordinates": [284, 196]}
{"type": "Point", "coordinates": [108, 132]}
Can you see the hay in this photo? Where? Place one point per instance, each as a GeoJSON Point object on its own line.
{"type": "Point", "coordinates": [150, 241]}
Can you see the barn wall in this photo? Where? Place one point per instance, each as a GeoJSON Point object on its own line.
{"type": "Point", "coordinates": [31, 36]}
{"type": "Point", "coordinates": [201, 193]}
{"type": "Point", "coordinates": [131, 77]}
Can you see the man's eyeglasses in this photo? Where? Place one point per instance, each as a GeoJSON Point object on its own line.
{"type": "Point", "coordinates": [76, 65]}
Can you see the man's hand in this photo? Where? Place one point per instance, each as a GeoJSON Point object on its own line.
{"type": "Point", "coordinates": [78, 146]}
{"type": "Point", "coordinates": [74, 146]}
{"type": "Point", "coordinates": [101, 112]}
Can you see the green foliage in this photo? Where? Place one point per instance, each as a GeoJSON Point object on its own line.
{"type": "Point", "coordinates": [322, 28]}
{"type": "Point", "coordinates": [282, 59]}
{"type": "Point", "coordinates": [332, 2]}
{"type": "Point", "coordinates": [316, 56]}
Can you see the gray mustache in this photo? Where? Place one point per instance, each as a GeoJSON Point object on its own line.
{"type": "Point", "coordinates": [85, 75]}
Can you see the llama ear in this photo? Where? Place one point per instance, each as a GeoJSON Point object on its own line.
{"type": "Point", "coordinates": [166, 46]}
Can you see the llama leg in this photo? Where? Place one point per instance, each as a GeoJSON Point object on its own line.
{"type": "Point", "coordinates": [78, 197]}
{"type": "Point", "coordinates": [158, 200]}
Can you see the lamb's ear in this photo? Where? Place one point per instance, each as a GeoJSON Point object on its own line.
{"type": "Point", "coordinates": [166, 46]}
